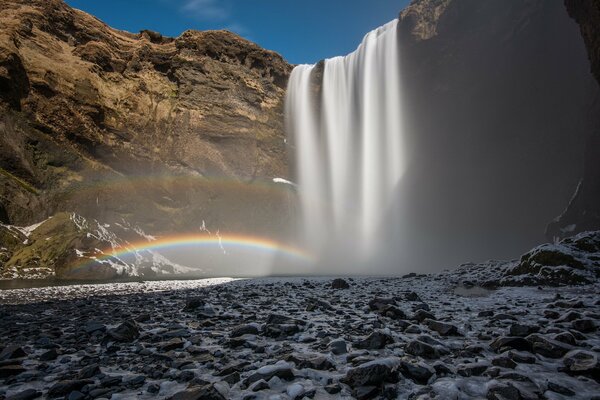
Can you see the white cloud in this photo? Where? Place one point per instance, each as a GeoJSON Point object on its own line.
{"type": "Point", "coordinates": [212, 10]}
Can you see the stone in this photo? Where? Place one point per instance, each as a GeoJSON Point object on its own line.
{"type": "Point", "coordinates": [504, 361]}
{"type": "Point", "coordinates": [89, 371]}
{"type": "Point", "coordinates": [472, 369]}
{"type": "Point", "coordinates": [206, 392]}
{"type": "Point", "coordinates": [76, 395]}
{"type": "Point", "coordinates": [375, 341]}
{"type": "Point", "coordinates": [49, 355]}
{"type": "Point", "coordinates": [334, 388]}
{"type": "Point", "coordinates": [312, 361]}
{"type": "Point", "coordinates": [282, 370]}
{"type": "Point", "coordinates": [419, 372]}
{"type": "Point", "coordinates": [548, 347]}
{"type": "Point", "coordinates": [63, 388]}
{"type": "Point", "coordinates": [503, 391]}
{"type": "Point", "coordinates": [247, 329]}
{"type": "Point", "coordinates": [338, 347]}
{"type": "Point", "coordinates": [522, 330]}
{"type": "Point", "coordinates": [27, 394]}
{"type": "Point", "coordinates": [7, 371]}
{"type": "Point", "coordinates": [259, 385]}
{"type": "Point", "coordinates": [510, 342]}
{"type": "Point", "coordinates": [584, 325]}
{"type": "Point", "coordinates": [373, 373]}
{"type": "Point", "coordinates": [421, 349]}
{"type": "Point", "coordinates": [11, 352]}
{"type": "Point", "coordinates": [422, 315]}
{"type": "Point", "coordinates": [194, 303]}
{"type": "Point", "coordinates": [173, 344]}
{"type": "Point", "coordinates": [339, 284]}
{"type": "Point", "coordinates": [128, 331]}
{"type": "Point", "coordinates": [582, 362]}
{"type": "Point", "coordinates": [378, 303]}
{"type": "Point", "coordinates": [442, 328]}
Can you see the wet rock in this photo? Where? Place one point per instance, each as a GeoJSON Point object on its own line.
{"type": "Point", "coordinates": [94, 327]}
{"type": "Point", "coordinates": [76, 395]}
{"type": "Point", "coordinates": [232, 378]}
{"type": "Point", "coordinates": [339, 284]}
{"type": "Point", "coordinates": [279, 326]}
{"type": "Point", "coordinates": [365, 392]}
{"type": "Point", "coordinates": [412, 296]}
{"type": "Point", "coordinates": [472, 369]}
{"type": "Point", "coordinates": [522, 330]}
{"type": "Point", "coordinates": [440, 327]}
{"type": "Point", "coordinates": [392, 312]}
{"type": "Point", "coordinates": [282, 370]}
{"type": "Point", "coordinates": [548, 347]}
{"type": "Point", "coordinates": [259, 385]}
{"type": "Point", "coordinates": [207, 392]}
{"type": "Point", "coordinates": [173, 344]}
{"type": "Point", "coordinates": [503, 391]}
{"type": "Point", "coordinates": [313, 361]}
{"type": "Point", "coordinates": [89, 371]}
{"type": "Point", "coordinates": [128, 331]}
{"type": "Point", "coordinates": [581, 362]}
{"type": "Point", "coordinates": [584, 325]}
{"type": "Point", "coordinates": [557, 388]}
{"type": "Point", "coordinates": [378, 303]}
{"type": "Point", "coordinates": [194, 303]}
{"type": "Point", "coordinates": [510, 342]}
{"type": "Point", "coordinates": [504, 361]}
{"type": "Point", "coordinates": [6, 371]}
{"type": "Point", "coordinates": [247, 329]}
{"type": "Point", "coordinates": [419, 372]}
{"type": "Point", "coordinates": [338, 347]}
{"type": "Point", "coordinates": [422, 315]}
{"type": "Point", "coordinates": [375, 341]}
{"type": "Point", "coordinates": [49, 355]}
{"type": "Point", "coordinates": [63, 388]}
{"type": "Point", "coordinates": [11, 352]}
{"type": "Point", "coordinates": [373, 373]}
{"type": "Point", "coordinates": [334, 388]}
{"type": "Point", "coordinates": [421, 349]}
{"type": "Point", "coordinates": [28, 394]}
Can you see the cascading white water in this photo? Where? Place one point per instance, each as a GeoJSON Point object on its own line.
{"type": "Point", "coordinates": [348, 143]}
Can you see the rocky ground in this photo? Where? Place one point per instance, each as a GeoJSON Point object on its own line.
{"type": "Point", "coordinates": [294, 338]}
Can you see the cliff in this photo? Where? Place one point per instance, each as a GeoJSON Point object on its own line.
{"type": "Point", "coordinates": [83, 106]}
{"type": "Point", "coordinates": [499, 103]}
{"type": "Point", "coordinates": [583, 211]}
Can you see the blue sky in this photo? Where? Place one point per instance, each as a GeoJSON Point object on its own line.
{"type": "Point", "coordinates": [303, 31]}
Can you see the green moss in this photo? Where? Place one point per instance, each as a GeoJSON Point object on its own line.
{"type": "Point", "coordinates": [19, 181]}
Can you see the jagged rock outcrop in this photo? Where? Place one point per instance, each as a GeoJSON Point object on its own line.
{"type": "Point", "coordinates": [68, 246]}
{"type": "Point", "coordinates": [583, 211]}
{"type": "Point", "coordinates": [498, 102]}
{"type": "Point", "coordinates": [110, 124]}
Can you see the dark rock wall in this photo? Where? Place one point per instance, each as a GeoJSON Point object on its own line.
{"type": "Point", "coordinates": [498, 101]}
{"type": "Point", "coordinates": [583, 211]}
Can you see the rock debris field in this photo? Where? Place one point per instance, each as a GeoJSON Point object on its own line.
{"type": "Point", "coordinates": [415, 337]}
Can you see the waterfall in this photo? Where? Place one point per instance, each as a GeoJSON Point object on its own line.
{"type": "Point", "coordinates": [344, 121]}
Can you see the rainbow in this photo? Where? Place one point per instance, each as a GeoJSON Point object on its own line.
{"type": "Point", "coordinates": [253, 243]}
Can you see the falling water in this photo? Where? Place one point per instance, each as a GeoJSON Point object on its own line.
{"type": "Point", "coordinates": [346, 130]}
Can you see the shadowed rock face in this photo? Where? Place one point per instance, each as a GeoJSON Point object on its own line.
{"type": "Point", "coordinates": [583, 212]}
{"type": "Point", "coordinates": [499, 103]}
{"type": "Point", "coordinates": [82, 103]}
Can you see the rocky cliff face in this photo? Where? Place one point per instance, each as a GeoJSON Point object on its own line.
{"type": "Point", "coordinates": [583, 211]}
{"type": "Point", "coordinates": [83, 104]}
{"type": "Point", "coordinates": [164, 133]}
{"type": "Point", "coordinates": [499, 102]}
